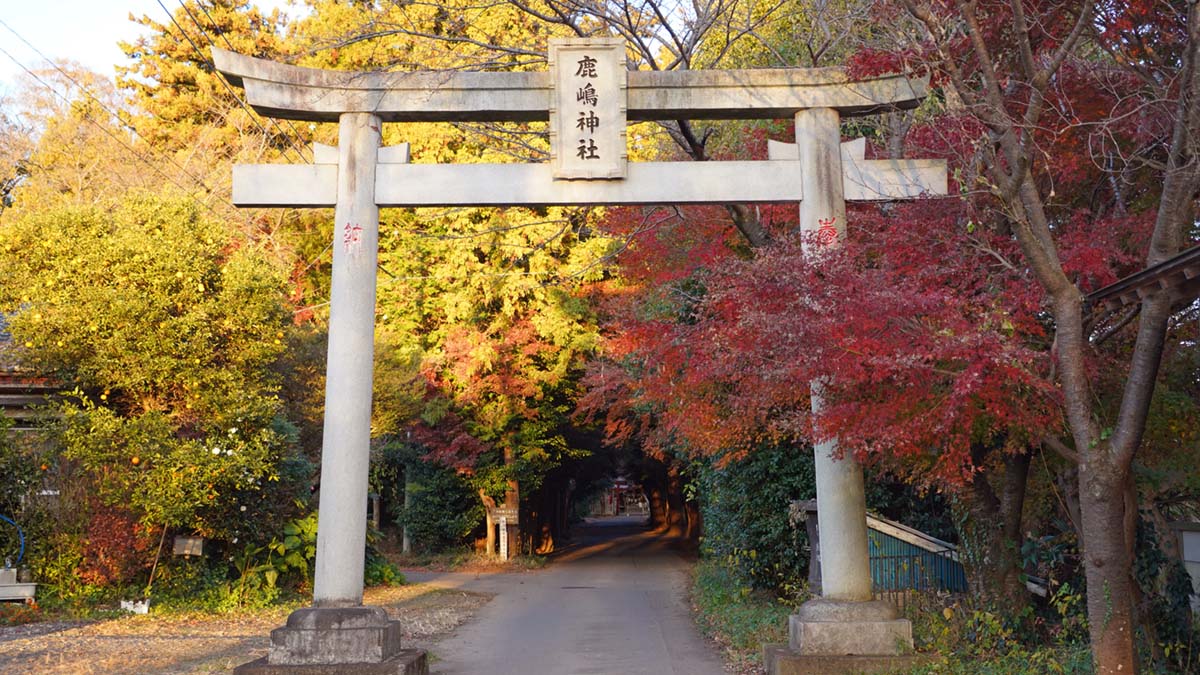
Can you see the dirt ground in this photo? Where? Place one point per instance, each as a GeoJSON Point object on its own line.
{"type": "Point", "coordinates": [205, 643]}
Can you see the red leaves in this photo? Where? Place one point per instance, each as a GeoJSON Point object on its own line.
{"type": "Point", "coordinates": [867, 63]}
{"type": "Point", "coordinates": [449, 441]}
{"type": "Point", "coordinates": [927, 336]}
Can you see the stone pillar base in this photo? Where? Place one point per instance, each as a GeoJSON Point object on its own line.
{"type": "Point", "coordinates": [838, 628]}
{"type": "Point", "coordinates": [325, 640]}
{"type": "Point", "coordinates": [405, 662]}
{"type": "Point", "coordinates": [782, 660]}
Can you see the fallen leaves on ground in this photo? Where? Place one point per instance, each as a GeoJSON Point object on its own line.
{"type": "Point", "coordinates": [194, 643]}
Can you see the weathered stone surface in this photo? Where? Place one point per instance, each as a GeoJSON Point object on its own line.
{"type": "Point", "coordinates": [780, 660]}
{"type": "Point", "coordinates": [327, 635]}
{"type": "Point", "coordinates": [845, 638]}
{"type": "Point", "coordinates": [17, 591]}
{"type": "Point", "coordinates": [826, 609]}
{"type": "Point", "coordinates": [291, 92]}
{"type": "Point", "coordinates": [406, 662]}
{"type": "Point", "coordinates": [587, 115]}
{"type": "Point", "coordinates": [830, 628]}
{"type": "Point", "coordinates": [346, 439]}
{"type": "Point", "coordinates": [413, 185]}
{"type": "Point", "coordinates": [877, 179]}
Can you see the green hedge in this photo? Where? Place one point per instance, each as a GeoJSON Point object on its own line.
{"type": "Point", "coordinates": [745, 509]}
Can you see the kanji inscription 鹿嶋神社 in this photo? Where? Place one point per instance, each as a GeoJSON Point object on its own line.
{"type": "Point", "coordinates": [587, 117]}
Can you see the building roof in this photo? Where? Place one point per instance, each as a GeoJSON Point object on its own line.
{"type": "Point", "coordinates": [1180, 276]}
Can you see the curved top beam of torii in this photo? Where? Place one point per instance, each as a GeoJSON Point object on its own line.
{"type": "Point", "coordinates": [292, 92]}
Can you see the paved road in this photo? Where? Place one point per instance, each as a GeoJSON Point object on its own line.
{"type": "Point", "coordinates": [616, 603]}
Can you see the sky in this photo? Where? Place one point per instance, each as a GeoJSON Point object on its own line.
{"type": "Point", "coordinates": [86, 31]}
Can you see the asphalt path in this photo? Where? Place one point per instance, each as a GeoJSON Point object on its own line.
{"type": "Point", "coordinates": [615, 602]}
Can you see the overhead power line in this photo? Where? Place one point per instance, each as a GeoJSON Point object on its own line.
{"type": "Point", "coordinates": [105, 129]}
{"type": "Point", "coordinates": [254, 117]}
{"type": "Point", "coordinates": [113, 114]}
{"type": "Point", "coordinates": [229, 45]}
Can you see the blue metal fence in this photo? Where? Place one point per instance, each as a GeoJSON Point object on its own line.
{"type": "Point", "coordinates": [899, 568]}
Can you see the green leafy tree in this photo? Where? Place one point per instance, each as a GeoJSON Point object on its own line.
{"type": "Point", "coordinates": [168, 327]}
{"type": "Point", "coordinates": [481, 322]}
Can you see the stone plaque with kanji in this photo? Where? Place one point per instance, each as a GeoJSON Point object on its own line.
{"type": "Point", "coordinates": [587, 113]}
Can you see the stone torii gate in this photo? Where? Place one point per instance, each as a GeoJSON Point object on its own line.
{"type": "Point", "coordinates": [588, 97]}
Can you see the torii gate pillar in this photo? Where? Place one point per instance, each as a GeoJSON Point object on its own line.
{"type": "Point", "coordinates": [338, 629]}
{"type": "Point", "coordinates": [346, 437]}
{"type": "Point", "coordinates": [844, 630]}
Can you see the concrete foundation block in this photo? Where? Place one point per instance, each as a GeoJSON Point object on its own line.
{"type": "Point", "coordinates": [335, 635]}
{"type": "Point", "coordinates": [824, 627]}
{"type": "Point", "coordinates": [780, 659]}
{"type": "Point", "coordinates": [405, 662]}
{"type": "Point", "coordinates": [859, 638]}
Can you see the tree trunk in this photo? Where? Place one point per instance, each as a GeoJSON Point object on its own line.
{"type": "Point", "coordinates": [1106, 565]}
{"type": "Point", "coordinates": [991, 532]}
{"type": "Point", "coordinates": [676, 517]}
{"type": "Point", "coordinates": [694, 522]}
{"type": "Point", "coordinates": [488, 505]}
{"type": "Point", "coordinates": [409, 486]}
{"type": "Point", "coordinates": [658, 508]}
{"type": "Point", "coordinates": [562, 524]}
{"type": "Point", "coordinates": [544, 518]}
{"type": "Point", "coordinates": [512, 500]}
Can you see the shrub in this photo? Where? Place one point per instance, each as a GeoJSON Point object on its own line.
{"type": "Point", "coordinates": [744, 506]}
{"type": "Point", "coordinates": [116, 550]}
{"type": "Point", "coordinates": [443, 510]}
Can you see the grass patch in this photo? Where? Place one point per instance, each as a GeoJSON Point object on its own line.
{"type": "Point", "coordinates": [739, 619]}
{"type": "Point", "coordinates": [972, 642]}
{"type": "Point", "coordinates": [1066, 660]}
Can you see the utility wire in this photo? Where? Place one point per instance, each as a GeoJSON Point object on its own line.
{"type": "Point", "coordinates": [140, 156]}
{"type": "Point", "coordinates": [199, 52]}
{"type": "Point", "coordinates": [105, 129]}
{"type": "Point", "coordinates": [225, 39]}
{"type": "Point", "coordinates": [115, 115]}
{"type": "Point", "coordinates": [153, 165]}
